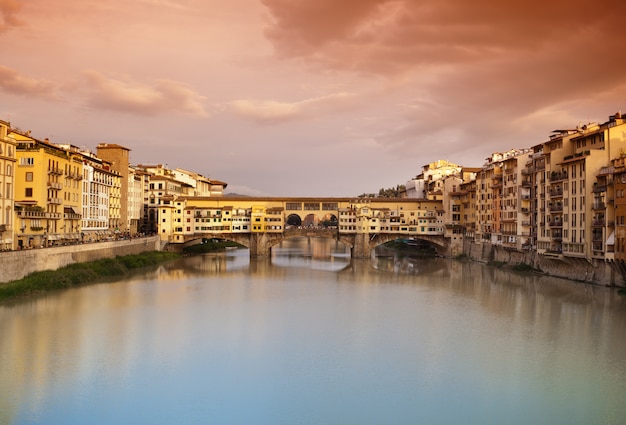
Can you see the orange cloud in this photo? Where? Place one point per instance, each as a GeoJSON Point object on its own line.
{"type": "Point", "coordinates": [8, 14]}
{"type": "Point", "coordinates": [14, 83]}
{"type": "Point", "coordinates": [164, 96]}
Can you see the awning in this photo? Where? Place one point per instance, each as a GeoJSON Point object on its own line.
{"type": "Point", "coordinates": [71, 210]}
{"type": "Point", "coordinates": [611, 239]}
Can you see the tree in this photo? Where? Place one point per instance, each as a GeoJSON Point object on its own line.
{"type": "Point", "coordinates": [386, 193]}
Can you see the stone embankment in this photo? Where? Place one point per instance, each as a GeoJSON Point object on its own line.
{"type": "Point", "coordinates": [15, 265]}
{"type": "Point", "coordinates": [599, 272]}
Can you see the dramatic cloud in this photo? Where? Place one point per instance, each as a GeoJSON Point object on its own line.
{"type": "Point", "coordinates": [136, 98]}
{"type": "Point", "coordinates": [385, 85]}
{"type": "Point", "coordinates": [390, 35]}
{"type": "Point", "coordinates": [14, 83]}
{"type": "Point", "coordinates": [271, 112]}
{"type": "Point", "coordinates": [8, 14]}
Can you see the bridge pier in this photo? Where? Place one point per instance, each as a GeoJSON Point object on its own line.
{"type": "Point", "coordinates": [259, 245]}
{"type": "Point", "coordinates": [361, 247]}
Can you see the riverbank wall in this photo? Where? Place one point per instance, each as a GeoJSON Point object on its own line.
{"type": "Point", "coordinates": [15, 265]}
{"type": "Point", "coordinates": [599, 272]}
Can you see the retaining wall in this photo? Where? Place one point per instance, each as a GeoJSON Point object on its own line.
{"type": "Point", "coordinates": [15, 265]}
{"type": "Point", "coordinates": [608, 273]}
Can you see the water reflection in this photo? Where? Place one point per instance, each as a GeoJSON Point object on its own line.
{"type": "Point", "coordinates": [313, 253]}
{"type": "Point", "coordinates": [404, 264]}
{"type": "Point", "coordinates": [219, 338]}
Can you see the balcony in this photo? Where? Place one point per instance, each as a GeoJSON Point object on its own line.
{"type": "Point", "coordinates": [75, 176]}
{"type": "Point", "coordinates": [556, 193]}
{"type": "Point", "coordinates": [55, 185]}
{"type": "Point", "coordinates": [555, 223]}
{"type": "Point", "coordinates": [560, 176]}
{"type": "Point", "coordinates": [598, 223]}
{"type": "Point", "coordinates": [55, 170]}
{"type": "Point", "coordinates": [55, 201]}
{"type": "Point", "coordinates": [605, 171]}
{"type": "Point", "coordinates": [556, 208]}
{"type": "Point", "coordinates": [599, 188]}
{"type": "Point", "coordinates": [31, 214]}
{"type": "Point", "coordinates": [598, 206]}
{"type": "Point", "coordinates": [526, 183]}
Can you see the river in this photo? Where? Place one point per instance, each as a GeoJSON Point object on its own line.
{"type": "Point", "coordinates": [313, 337]}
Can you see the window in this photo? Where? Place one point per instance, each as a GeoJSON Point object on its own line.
{"type": "Point", "coordinates": [27, 161]}
{"type": "Point", "coordinates": [29, 176]}
{"type": "Point", "coordinates": [28, 192]}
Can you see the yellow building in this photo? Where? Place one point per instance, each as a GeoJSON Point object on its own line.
{"type": "Point", "coordinates": [7, 185]}
{"type": "Point", "coordinates": [47, 193]}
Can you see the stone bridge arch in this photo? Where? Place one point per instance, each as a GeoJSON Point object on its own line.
{"type": "Point", "coordinates": [361, 245]}
{"type": "Point", "coordinates": [293, 220]}
{"type": "Point", "coordinates": [311, 233]}
{"type": "Point", "coordinates": [438, 242]}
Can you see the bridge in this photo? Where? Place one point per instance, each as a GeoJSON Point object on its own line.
{"type": "Point", "coordinates": [260, 223]}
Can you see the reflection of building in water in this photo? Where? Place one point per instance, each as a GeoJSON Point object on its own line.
{"type": "Point", "coordinates": [311, 252]}
{"type": "Point", "coordinates": [211, 263]}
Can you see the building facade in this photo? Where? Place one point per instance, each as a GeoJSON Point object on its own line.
{"type": "Point", "coordinates": [8, 162]}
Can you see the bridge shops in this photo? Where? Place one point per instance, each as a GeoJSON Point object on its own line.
{"type": "Point", "coordinates": [260, 223]}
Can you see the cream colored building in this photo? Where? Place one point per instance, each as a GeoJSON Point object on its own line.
{"type": "Point", "coordinates": [202, 186]}
{"type": "Point", "coordinates": [137, 180]}
{"type": "Point", "coordinates": [429, 183]}
{"type": "Point", "coordinates": [575, 215]}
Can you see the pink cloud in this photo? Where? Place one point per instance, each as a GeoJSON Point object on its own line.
{"type": "Point", "coordinates": [13, 82]}
{"type": "Point", "coordinates": [272, 112]}
{"type": "Point", "coordinates": [125, 95]}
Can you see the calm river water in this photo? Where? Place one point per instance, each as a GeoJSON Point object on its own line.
{"type": "Point", "coordinates": [310, 337]}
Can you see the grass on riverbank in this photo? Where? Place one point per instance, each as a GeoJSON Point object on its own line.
{"type": "Point", "coordinates": [80, 274]}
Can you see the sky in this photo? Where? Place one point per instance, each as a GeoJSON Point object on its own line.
{"type": "Point", "coordinates": [309, 97]}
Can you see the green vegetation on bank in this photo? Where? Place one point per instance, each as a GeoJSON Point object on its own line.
{"type": "Point", "coordinates": [81, 273]}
